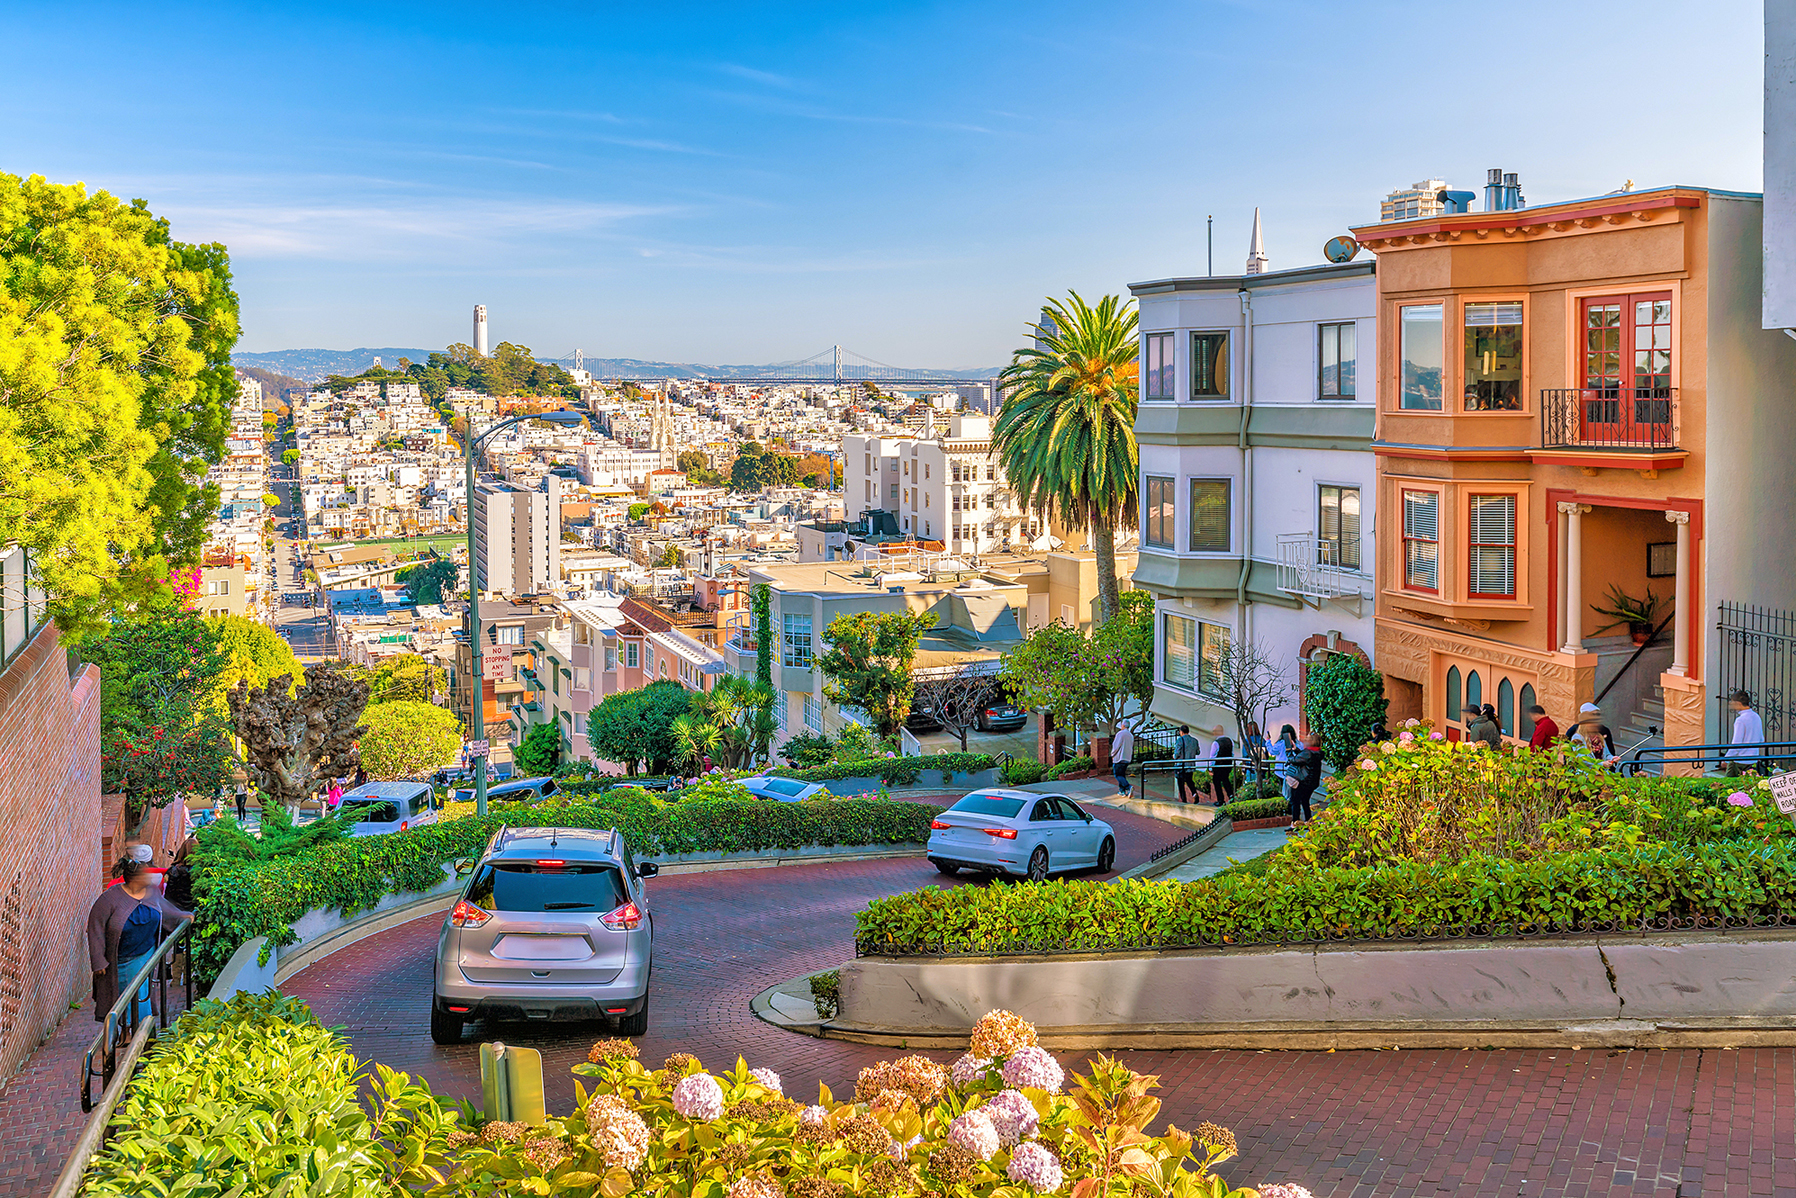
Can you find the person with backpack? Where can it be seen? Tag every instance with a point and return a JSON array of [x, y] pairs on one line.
[[1184, 754], [1222, 769], [1304, 769]]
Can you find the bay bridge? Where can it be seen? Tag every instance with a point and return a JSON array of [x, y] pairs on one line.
[[834, 366]]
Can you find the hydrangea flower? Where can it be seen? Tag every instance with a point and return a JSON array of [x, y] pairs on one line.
[[767, 1078], [1387, 747], [1034, 1166], [755, 1186], [1000, 1033], [1437, 736], [1283, 1190], [698, 1097], [813, 1115], [1406, 737], [974, 1132], [1033, 1068], [1740, 799], [1013, 1115], [969, 1069], [617, 1132], [1368, 764], [1411, 722]]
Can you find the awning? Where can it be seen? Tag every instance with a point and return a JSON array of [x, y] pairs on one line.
[[701, 657]]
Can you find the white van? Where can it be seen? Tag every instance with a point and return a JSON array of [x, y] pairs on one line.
[[390, 807]]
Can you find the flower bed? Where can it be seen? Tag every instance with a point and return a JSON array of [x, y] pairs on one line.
[[244, 1094], [239, 900]]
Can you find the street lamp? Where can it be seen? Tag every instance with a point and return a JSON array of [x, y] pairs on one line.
[[477, 698]]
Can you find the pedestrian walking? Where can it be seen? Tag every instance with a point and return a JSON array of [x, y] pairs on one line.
[[1280, 752], [242, 800], [124, 926], [1745, 753], [334, 795], [1304, 770], [1485, 729], [1222, 768], [1184, 753], [1122, 752], [1545, 730]]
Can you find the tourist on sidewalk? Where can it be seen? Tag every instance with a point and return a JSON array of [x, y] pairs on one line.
[[1744, 754], [1485, 729], [1122, 752], [1545, 730], [1304, 770], [1184, 753], [124, 926], [1222, 769], [243, 800], [1593, 736]]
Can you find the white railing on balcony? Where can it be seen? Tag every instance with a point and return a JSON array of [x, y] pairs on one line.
[[1310, 567]]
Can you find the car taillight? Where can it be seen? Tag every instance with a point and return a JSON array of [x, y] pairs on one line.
[[404, 824], [1002, 833], [552, 864], [467, 915], [938, 825], [626, 918]]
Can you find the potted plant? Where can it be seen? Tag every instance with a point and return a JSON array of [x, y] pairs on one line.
[[1637, 614]]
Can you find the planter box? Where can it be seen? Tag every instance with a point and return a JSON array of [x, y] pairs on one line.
[[845, 787], [934, 779], [974, 779], [1248, 825]]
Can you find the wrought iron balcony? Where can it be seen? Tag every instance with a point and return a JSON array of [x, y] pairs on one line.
[[1609, 418], [1318, 568]]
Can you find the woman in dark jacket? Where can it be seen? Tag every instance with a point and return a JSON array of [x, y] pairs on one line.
[[1485, 727], [125, 925]]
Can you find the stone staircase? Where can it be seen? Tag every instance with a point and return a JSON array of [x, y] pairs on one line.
[[1648, 715]]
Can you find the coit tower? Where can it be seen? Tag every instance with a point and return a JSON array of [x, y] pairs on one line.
[[480, 329]]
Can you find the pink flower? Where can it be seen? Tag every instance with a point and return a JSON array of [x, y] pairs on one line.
[[1437, 736], [767, 1078], [974, 1132], [1039, 1169], [1033, 1068], [698, 1097], [1740, 799], [1283, 1189], [1368, 765], [969, 1069], [1406, 737], [1013, 1115]]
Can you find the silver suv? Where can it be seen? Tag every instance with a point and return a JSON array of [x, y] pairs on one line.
[[553, 925]]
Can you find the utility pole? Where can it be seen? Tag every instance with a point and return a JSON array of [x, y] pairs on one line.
[[1210, 237]]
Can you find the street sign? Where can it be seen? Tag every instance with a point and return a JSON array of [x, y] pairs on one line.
[[1783, 790], [475, 748], [495, 663]]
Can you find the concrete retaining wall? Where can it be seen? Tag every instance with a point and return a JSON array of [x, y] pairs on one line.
[[1583, 990]]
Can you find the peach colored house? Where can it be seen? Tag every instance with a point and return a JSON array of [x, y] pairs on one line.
[[1566, 396]]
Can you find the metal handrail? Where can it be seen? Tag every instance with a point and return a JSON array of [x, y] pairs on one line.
[[121, 1021], [1663, 755], [1629, 664]]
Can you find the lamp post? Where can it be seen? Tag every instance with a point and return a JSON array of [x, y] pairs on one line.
[[477, 694]]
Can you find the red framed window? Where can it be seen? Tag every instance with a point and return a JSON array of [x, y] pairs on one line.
[[1626, 370], [1421, 540], [1490, 540]]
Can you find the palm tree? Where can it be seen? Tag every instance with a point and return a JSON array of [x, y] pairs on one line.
[[1066, 433]]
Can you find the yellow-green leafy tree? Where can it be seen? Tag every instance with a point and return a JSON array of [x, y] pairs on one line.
[[407, 739]]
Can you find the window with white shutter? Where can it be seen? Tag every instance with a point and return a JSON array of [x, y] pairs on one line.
[[1178, 651], [1421, 540], [1337, 525], [1491, 538], [1210, 515]]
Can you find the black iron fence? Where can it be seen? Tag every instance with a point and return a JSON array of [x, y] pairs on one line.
[[1758, 655], [1609, 418]]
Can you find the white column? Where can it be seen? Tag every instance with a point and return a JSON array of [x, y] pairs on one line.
[[1574, 576], [1559, 591], [1680, 625]]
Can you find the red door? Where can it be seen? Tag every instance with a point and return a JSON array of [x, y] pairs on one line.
[[1627, 398]]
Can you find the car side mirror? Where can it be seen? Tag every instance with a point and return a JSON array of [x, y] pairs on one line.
[[647, 869]]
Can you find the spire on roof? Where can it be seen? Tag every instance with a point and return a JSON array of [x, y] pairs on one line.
[[1257, 261]]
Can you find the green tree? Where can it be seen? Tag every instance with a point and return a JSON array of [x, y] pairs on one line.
[[406, 676], [431, 581], [540, 750], [1066, 433], [669, 559], [1343, 700], [297, 740], [404, 739], [869, 663], [115, 391], [732, 722], [636, 727], [1090, 680], [162, 735], [290, 457], [253, 652], [749, 471]]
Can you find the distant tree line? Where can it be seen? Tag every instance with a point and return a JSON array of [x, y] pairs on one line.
[[508, 370]]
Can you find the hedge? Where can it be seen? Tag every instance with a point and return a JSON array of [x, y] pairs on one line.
[[1072, 765], [1256, 809], [238, 901], [1594, 890], [893, 771]]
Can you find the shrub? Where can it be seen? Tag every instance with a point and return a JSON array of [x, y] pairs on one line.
[[1021, 771], [540, 750], [826, 992], [406, 739], [1255, 809], [1343, 700], [239, 900], [894, 771], [1072, 765], [808, 750]]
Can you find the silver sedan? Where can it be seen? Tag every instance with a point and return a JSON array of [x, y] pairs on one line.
[[1020, 832]]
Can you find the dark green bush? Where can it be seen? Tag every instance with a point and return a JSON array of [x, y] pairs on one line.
[[893, 771], [1072, 765], [1021, 771], [1255, 809]]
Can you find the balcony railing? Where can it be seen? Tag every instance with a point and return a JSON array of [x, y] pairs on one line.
[[1610, 418], [1312, 567]]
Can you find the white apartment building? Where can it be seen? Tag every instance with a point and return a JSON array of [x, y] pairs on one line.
[[1257, 474], [517, 537], [944, 486]]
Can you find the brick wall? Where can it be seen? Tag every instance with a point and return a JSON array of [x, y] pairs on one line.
[[49, 841]]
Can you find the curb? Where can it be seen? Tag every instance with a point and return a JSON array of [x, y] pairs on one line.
[[1212, 835], [762, 1007], [1183, 815], [703, 867]]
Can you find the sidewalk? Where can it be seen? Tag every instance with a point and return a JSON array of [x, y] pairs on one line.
[[40, 1107]]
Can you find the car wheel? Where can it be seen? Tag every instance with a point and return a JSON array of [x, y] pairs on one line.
[[444, 1027], [637, 1024], [1107, 855], [1038, 864], [946, 867]]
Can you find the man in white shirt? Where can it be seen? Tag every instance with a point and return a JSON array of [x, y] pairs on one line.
[[1122, 751], [1744, 753]]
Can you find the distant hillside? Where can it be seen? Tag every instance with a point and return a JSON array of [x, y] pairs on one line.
[[314, 365], [274, 385]]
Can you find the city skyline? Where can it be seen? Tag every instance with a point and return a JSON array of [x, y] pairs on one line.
[[905, 180]]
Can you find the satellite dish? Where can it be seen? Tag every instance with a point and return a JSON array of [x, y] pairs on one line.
[[1340, 249]]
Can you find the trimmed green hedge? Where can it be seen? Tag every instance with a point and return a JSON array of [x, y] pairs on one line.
[[1475, 896], [893, 771], [1021, 771], [1256, 809], [238, 901], [1072, 765]]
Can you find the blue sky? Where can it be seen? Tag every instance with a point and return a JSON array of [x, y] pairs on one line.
[[752, 183]]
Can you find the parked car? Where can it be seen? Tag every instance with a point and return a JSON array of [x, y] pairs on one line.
[[784, 790], [922, 720], [552, 925], [390, 807], [1021, 833], [522, 790], [1002, 717]]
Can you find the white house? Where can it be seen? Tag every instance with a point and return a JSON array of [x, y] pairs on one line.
[[1257, 475]]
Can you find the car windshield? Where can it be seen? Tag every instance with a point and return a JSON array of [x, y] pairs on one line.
[[527, 886], [373, 811], [781, 786], [995, 805]]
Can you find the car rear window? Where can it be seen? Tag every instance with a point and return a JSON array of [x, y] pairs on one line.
[[782, 787], [372, 811], [993, 805], [526, 886]]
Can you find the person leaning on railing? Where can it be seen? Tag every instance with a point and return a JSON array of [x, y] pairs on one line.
[[125, 925]]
